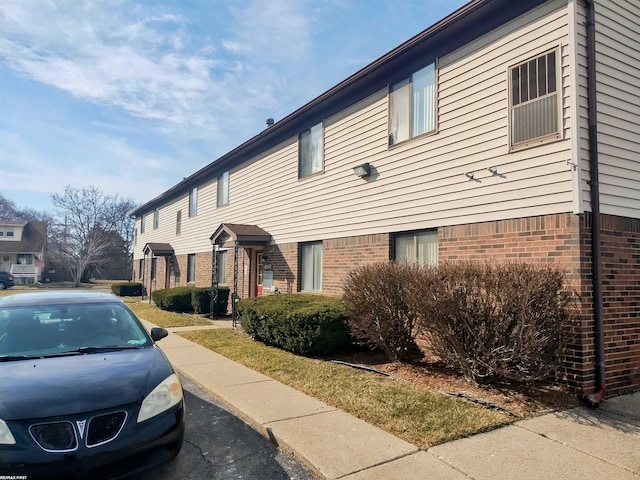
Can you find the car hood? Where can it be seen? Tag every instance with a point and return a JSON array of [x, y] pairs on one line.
[[47, 387]]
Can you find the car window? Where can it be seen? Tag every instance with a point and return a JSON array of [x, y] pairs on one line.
[[57, 329]]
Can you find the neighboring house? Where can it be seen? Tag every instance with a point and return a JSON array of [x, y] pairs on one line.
[[480, 137], [22, 249]]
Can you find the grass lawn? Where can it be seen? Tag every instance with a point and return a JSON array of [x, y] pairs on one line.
[[413, 413]]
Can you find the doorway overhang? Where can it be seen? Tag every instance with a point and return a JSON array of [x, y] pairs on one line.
[[228, 235], [158, 249]]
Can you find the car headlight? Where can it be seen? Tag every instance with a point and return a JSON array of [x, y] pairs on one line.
[[164, 396], [5, 434]]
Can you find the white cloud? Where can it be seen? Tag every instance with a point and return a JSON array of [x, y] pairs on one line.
[[119, 54]]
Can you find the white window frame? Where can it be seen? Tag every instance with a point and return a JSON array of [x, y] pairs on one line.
[[193, 202], [178, 222], [311, 266], [410, 97], [156, 218], [311, 151], [223, 189], [419, 246], [537, 103], [142, 224]]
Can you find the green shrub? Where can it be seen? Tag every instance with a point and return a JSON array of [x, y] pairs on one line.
[[173, 299], [201, 300], [508, 321], [127, 289], [299, 323], [375, 303]]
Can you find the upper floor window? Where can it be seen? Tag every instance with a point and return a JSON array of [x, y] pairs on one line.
[[535, 106], [142, 224], [223, 189], [311, 151], [412, 106], [419, 247], [311, 266], [191, 267], [178, 222], [156, 218], [193, 201]]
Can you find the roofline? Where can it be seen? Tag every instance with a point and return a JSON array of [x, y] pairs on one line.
[[455, 23]]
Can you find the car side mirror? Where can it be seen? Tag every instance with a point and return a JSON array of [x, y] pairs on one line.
[[158, 333]]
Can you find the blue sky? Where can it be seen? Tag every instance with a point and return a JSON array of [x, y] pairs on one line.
[[132, 96]]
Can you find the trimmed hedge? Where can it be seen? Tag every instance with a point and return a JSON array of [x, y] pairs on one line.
[[173, 299], [201, 300], [299, 323], [191, 299], [127, 289]]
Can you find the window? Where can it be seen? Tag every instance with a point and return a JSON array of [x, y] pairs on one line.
[[25, 259], [178, 222], [135, 236], [535, 107], [420, 247], [310, 151], [191, 267], [141, 268], [156, 218], [142, 224], [223, 189], [311, 266], [222, 266], [193, 201], [154, 267], [412, 106]]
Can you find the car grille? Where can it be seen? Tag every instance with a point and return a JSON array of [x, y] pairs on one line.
[[63, 437], [55, 437], [105, 428]]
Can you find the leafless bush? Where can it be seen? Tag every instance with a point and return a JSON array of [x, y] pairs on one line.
[[490, 320], [374, 300]]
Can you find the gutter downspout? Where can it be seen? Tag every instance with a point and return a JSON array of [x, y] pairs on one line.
[[593, 400]]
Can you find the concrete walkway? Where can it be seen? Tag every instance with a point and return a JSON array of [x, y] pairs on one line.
[[576, 444]]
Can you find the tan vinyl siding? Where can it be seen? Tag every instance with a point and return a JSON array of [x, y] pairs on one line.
[[419, 183], [618, 75]]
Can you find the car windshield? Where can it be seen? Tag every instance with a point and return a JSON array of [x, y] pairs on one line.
[[37, 331]]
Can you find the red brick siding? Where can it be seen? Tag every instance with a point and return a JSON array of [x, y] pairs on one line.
[[341, 255]]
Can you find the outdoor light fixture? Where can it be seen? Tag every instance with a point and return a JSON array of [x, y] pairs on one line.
[[362, 170], [470, 175], [493, 170]]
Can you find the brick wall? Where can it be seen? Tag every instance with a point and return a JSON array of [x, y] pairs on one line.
[[565, 239], [341, 255]]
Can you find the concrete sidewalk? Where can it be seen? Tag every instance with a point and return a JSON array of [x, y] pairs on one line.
[[577, 444]]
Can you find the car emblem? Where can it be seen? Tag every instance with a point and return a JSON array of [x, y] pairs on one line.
[[81, 424]]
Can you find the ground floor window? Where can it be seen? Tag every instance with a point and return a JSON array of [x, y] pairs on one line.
[[311, 266], [141, 268], [191, 267], [222, 266], [420, 247]]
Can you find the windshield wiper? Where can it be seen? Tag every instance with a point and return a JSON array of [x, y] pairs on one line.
[[11, 358], [107, 348]]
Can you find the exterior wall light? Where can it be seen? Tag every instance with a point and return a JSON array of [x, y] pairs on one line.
[[362, 170]]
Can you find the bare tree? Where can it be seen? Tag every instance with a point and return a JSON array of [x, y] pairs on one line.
[[9, 211], [88, 224]]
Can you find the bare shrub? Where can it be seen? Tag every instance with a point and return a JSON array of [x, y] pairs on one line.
[[495, 321], [374, 300]]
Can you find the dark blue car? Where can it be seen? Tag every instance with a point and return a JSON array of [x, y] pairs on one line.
[[84, 390]]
